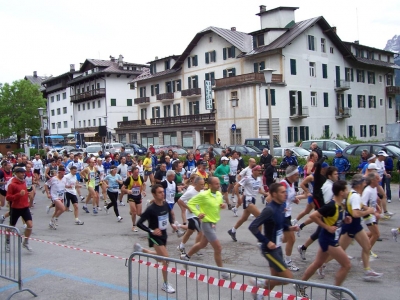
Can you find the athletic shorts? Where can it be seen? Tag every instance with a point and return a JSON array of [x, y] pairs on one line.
[[36, 171], [136, 200], [3, 192], [351, 229], [148, 173], [71, 197], [275, 259], [247, 202], [194, 224], [171, 205], [324, 243], [30, 189], [371, 220], [90, 184], [288, 221], [209, 231], [97, 188], [157, 240], [232, 179], [16, 213], [310, 199], [224, 188]]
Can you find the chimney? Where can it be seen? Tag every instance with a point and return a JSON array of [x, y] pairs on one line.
[[334, 29], [34, 73], [80, 65], [156, 58], [233, 28], [262, 8], [112, 58], [357, 42], [72, 68], [120, 60]]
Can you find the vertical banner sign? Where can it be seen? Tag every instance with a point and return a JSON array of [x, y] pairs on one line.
[[208, 94]]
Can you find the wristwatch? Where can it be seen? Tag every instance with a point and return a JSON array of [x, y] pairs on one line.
[[151, 230]]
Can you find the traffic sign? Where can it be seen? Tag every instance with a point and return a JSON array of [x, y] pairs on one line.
[[233, 127]]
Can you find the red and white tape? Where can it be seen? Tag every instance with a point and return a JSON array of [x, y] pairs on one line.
[[192, 275]]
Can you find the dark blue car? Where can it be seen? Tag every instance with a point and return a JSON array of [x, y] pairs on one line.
[[138, 149]]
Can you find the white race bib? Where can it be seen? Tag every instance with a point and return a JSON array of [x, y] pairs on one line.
[[279, 237], [226, 178], [163, 222], [337, 233], [136, 191]]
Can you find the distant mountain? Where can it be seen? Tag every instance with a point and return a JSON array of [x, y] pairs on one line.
[[393, 44]]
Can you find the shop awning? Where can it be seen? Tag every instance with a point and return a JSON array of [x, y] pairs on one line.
[[89, 134], [71, 136]]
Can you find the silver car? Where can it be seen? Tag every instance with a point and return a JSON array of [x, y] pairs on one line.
[[297, 151]]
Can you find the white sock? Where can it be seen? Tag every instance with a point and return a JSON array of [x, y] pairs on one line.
[[288, 259], [233, 229], [182, 245]]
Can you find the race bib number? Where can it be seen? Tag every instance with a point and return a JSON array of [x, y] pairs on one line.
[[91, 175], [136, 191], [226, 178], [337, 233], [275, 175], [115, 188], [163, 222], [28, 181], [256, 185], [279, 237], [60, 195]]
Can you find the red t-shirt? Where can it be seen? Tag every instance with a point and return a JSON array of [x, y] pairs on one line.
[[14, 194]]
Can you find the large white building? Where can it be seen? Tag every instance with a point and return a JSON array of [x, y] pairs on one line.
[[321, 87]]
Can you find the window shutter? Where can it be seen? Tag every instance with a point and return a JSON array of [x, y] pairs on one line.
[[207, 58], [342, 100], [302, 133], [351, 75], [197, 108], [324, 71], [157, 89], [224, 53], [359, 101], [225, 74], [233, 52], [374, 101], [307, 133], [173, 86], [178, 85], [212, 78], [256, 68], [289, 132], [295, 134], [293, 66], [266, 97], [233, 71], [262, 65], [196, 82], [373, 77], [214, 54], [207, 76], [349, 101], [273, 97], [326, 100], [152, 90], [254, 42], [191, 108], [128, 102], [195, 60], [189, 82], [188, 60]]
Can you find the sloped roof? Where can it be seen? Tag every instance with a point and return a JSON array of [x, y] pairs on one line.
[[377, 63], [35, 79], [173, 56], [147, 75]]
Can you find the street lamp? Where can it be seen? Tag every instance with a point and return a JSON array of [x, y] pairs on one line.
[[234, 103], [41, 110], [268, 79]]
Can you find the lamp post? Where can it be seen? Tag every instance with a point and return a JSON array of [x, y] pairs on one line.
[[268, 79], [234, 103], [105, 124], [41, 109]]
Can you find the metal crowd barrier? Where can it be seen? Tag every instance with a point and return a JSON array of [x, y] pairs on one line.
[[198, 281], [10, 257]]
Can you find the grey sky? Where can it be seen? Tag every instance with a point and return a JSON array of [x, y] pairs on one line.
[[48, 36]]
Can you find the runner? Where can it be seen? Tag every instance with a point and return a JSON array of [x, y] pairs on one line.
[[107, 169], [55, 190], [135, 187], [222, 173], [148, 169], [245, 172], [179, 181], [30, 182], [112, 181], [79, 167], [233, 165], [37, 168], [5, 176], [89, 176], [201, 166], [100, 174], [122, 170], [157, 215], [70, 193]]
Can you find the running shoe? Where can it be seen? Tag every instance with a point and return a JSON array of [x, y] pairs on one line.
[[85, 209], [229, 206], [395, 232], [389, 214], [374, 255], [137, 248], [95, 212], [234, 210], [321, 272], [337, 295], [2, 219], [70, 210], [79, 222], [106, 210], [181, 250], [371, 274], [257, 283], [292, 266], [122, 203], [227, 276], [301, 290], [27, 246], [389, 200], [184, 257], [47, 209], [180, 233], [98, 208], [166, 287], [52, 225], [232, 234], [302, 252], [56, 221], [119, 218], [82, 198], [134, 229]]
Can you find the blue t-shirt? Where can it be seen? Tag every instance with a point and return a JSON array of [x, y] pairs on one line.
[[113, 185]]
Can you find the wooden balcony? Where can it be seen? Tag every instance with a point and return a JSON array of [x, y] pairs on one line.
[[165, 96], [251, 78], [133, 123], [142, 100], [342, 85], [393, 90], [191, 92], [85, 129], [56, 87], [93, 94], [342, 113], [188, 119], [299, 112]]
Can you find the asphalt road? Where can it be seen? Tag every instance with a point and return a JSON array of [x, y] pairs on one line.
[[55, 272]]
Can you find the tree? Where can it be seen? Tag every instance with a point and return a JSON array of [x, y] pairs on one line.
[[19, 103]]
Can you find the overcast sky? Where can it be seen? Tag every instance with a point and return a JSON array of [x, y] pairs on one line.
[[48, 36]]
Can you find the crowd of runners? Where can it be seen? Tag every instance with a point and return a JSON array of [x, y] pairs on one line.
[[201, 186]]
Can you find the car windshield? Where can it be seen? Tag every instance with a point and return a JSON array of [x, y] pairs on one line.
[[93, 149], [117, 145], [138, 145], [129, 149], [342, 144], [301, 151], [252, 149], [394, 149]]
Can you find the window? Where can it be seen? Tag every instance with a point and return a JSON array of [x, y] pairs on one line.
[[98, 104], [99, 121], [155, 89], [87, 88], [58, 111], [113, 102], [88, 123], [381, 129], [331, 49], [176, 85], [64, 110], [84, 123], [380, 78], [311, 43], [326, 100], [292, 66], [372, 130], [390, 102], [98, 85], [229, 72], [58, 97], [324, 71], [143, 114], [194, 108], [94, 122], [292, 134], [124, 119], [177, 110], [381, 102], [258, 40], [211, 56], [258, 66], [80, 124], [167, 65], [236, 136], [83, 106], [93, 105], [360, 76], [168, 86], [304, 133], [210, 39], [193, 82], [52, 100], [372, 101], [389, 80], [371, 77], [313, 99], [326, 132], [155, 111], [64, 96], [210, 76], [52, 112], [349, 101], [92, 87], [153, 68], [229, 52], [350, 131], [88, 105], [361, 101], [312, 69], [348, 74], [79, 107], [128, 102], [142, 92], [272, 96], [187, 139], [65, 124], [53, 125], [192, 61], [323, 44], [167, 111]]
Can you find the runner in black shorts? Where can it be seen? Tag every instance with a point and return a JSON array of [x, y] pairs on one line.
[[272, 217], [157, 215]]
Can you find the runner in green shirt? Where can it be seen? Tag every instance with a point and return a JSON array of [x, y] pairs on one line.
[[222, 172]]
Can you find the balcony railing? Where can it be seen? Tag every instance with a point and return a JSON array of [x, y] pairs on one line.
[[59, 86], [142, 100], [165, 96], [298, 112], [393, 90], [132, 123], [93, 94], [342, 112], [191, 92], [251, 78], [342, 85], [189, 119]]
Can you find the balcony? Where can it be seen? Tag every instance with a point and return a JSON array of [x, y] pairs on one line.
[[142, 100], [189, 119], [251, 78], [393, 90], [298, 112], [342, 85], [133, 123], [93, 94], [165, 96], [56, 87], [342, 113], [191, 92]]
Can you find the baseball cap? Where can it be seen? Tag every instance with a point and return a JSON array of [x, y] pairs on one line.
[[382, 153], [256, 168], [339, 151], [372, 166], [19, 170], [224, 158], [324, 165]]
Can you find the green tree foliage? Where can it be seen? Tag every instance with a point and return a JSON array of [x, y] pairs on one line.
[[19, 103]]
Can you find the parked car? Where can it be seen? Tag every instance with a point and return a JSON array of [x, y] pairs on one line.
[[356, 149], [129, 150], [181, 151], [261, 143], [68, 148], [75, 150], [397, 143], [94, 149], [112, 147], [216, 151], [247, 150], [297, 151], [206, 146], [138, 149], [328, 147]]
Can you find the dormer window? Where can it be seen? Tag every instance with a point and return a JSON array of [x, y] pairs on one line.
[[192, 61], [258, 40], [153, 68], [167, 65]]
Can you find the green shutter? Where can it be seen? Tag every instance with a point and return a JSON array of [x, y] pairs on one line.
[[152, 89], [173, 86], [207, 58], [359, 101], [214, 55], [256, 68], [207, 76], [324, 71], [212, 78], [351, 74], [342, 100], [195, 60], [326, 100], [302, 133], [233, 71], [307, 132], [254, 42], [293, 66], [157, 89], [273, 97], [374, 101], [224, 53], [128, 102], [196, 82], [262, 65], [326, 131], [197, 108], [295, 134], [289, 131], [179, 85], [188, 60], [189, 82], [113, 102], [349, 101], [225, 73], [233, 52]]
